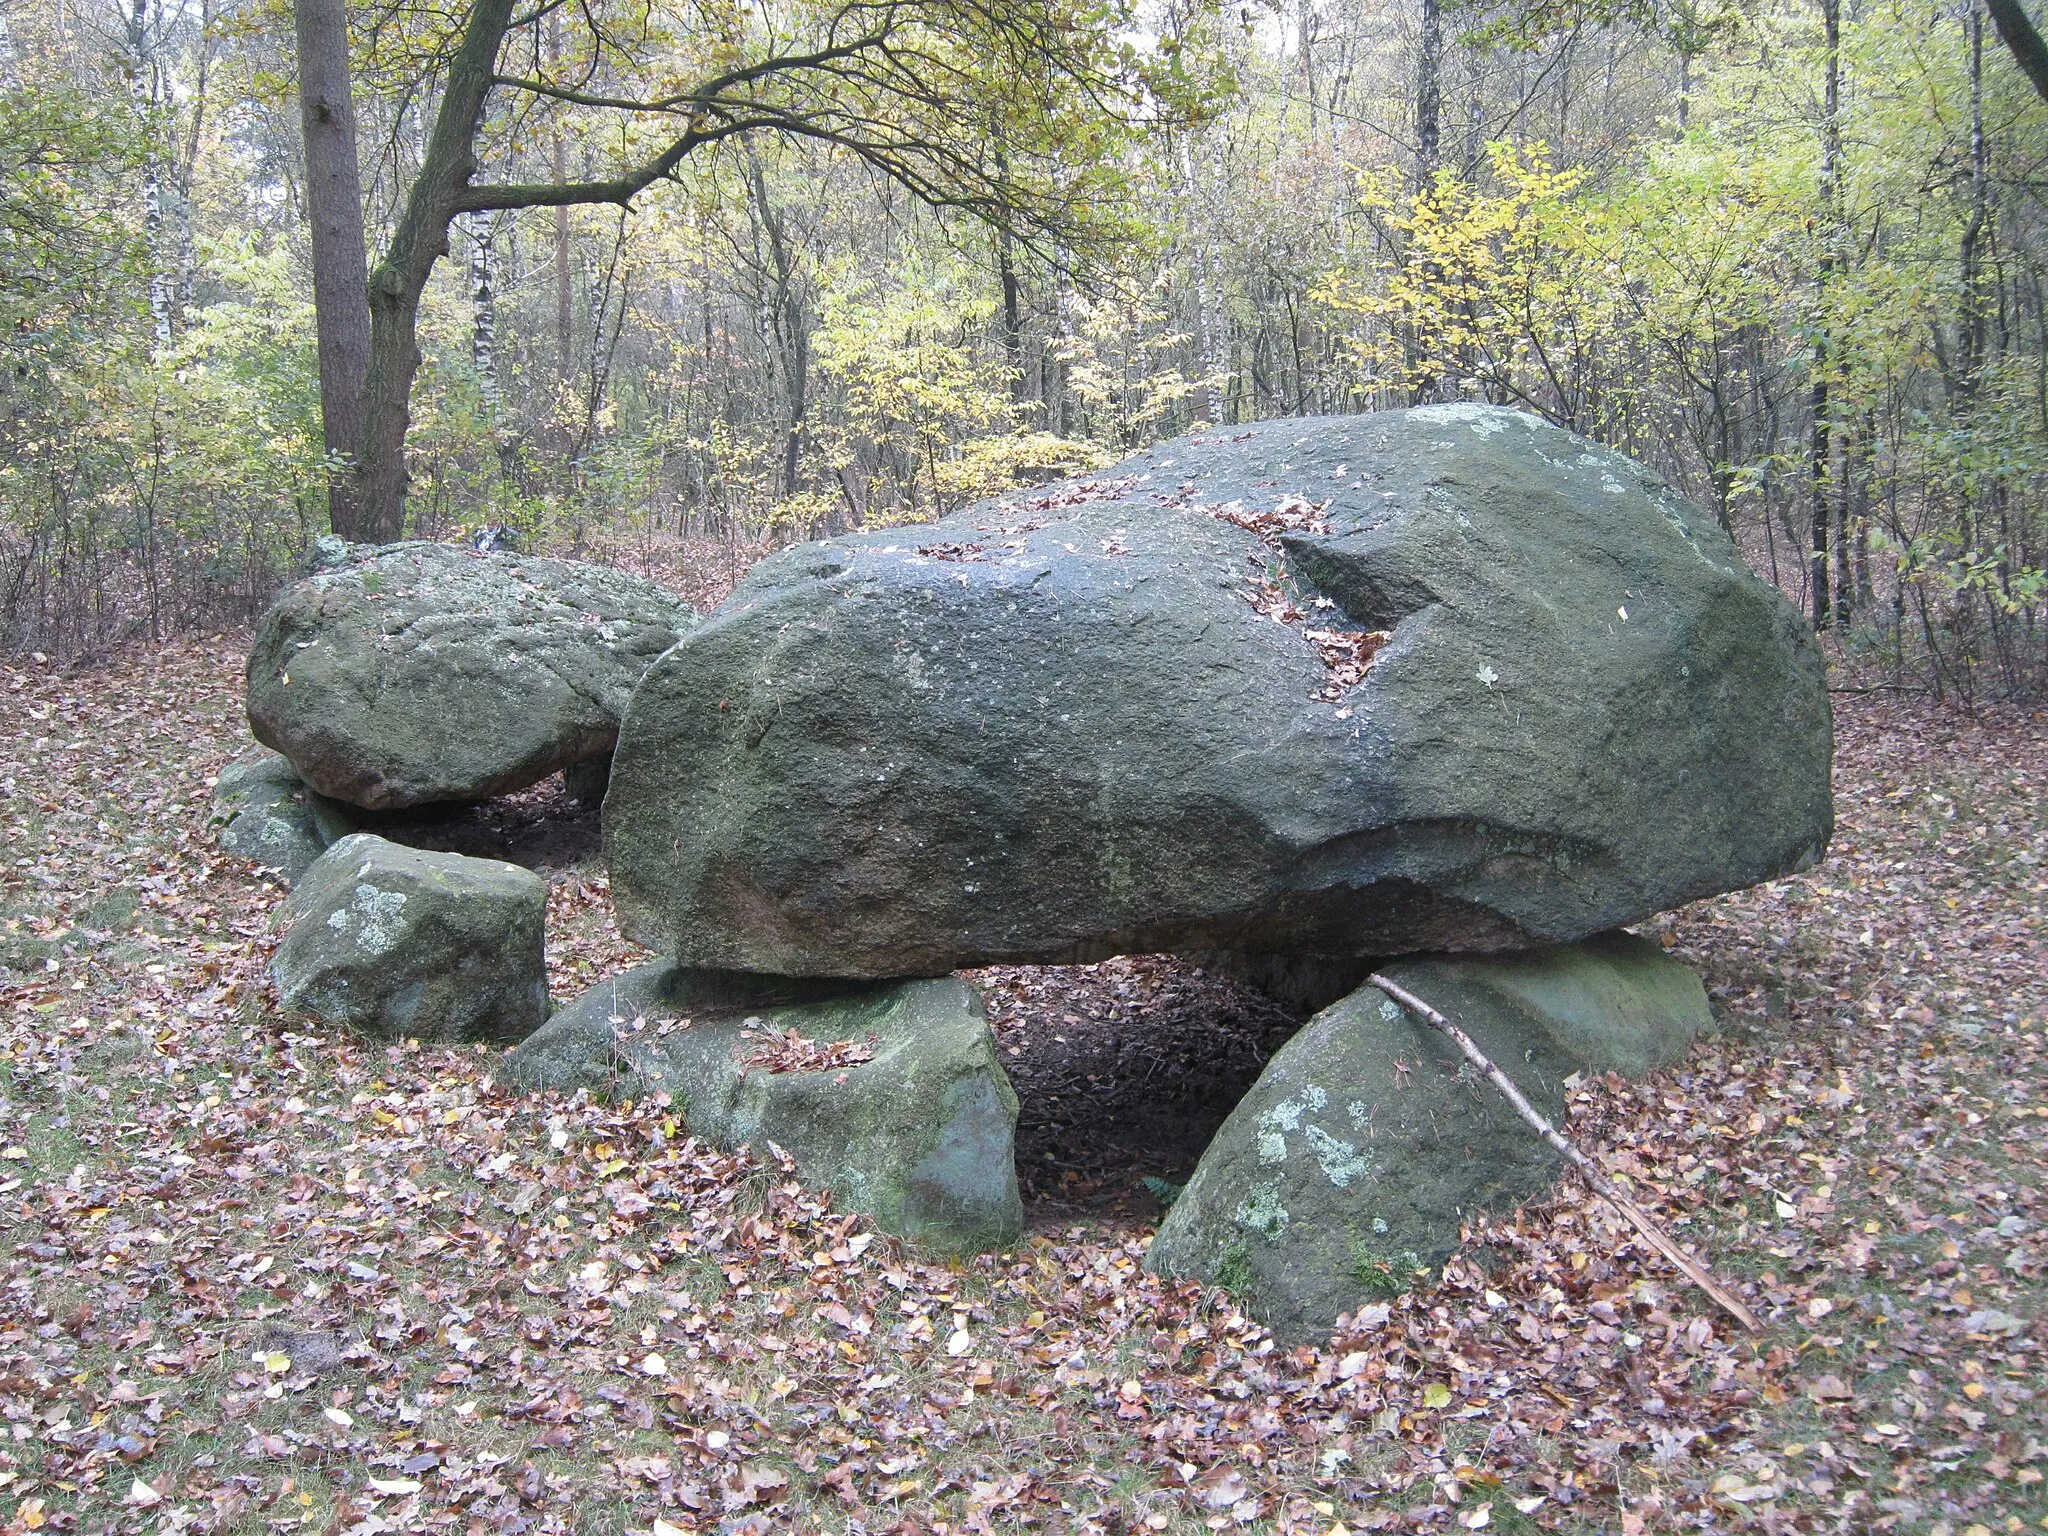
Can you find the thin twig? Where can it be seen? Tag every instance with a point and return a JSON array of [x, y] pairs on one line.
[[1602, 1185]]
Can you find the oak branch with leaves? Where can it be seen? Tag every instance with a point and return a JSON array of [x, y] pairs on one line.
[[1013, 113]]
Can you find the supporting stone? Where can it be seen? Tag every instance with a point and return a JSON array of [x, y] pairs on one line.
[[1349, 1168], [407, 943], [888, 1094], [268, 814]]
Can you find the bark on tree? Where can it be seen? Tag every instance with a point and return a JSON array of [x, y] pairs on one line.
[[1425, 367], [10, 68], [831, 97], [483, 306], [334, 207], [782, 323], [400, 278], [565, 332], [1429, 93], [1976, 304], [565, 288], [146, 85], [1013, 319], [2022, 39]]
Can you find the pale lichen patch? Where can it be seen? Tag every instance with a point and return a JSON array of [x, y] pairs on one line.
[[1263, 1213], [373, 914], [1340, 1161]]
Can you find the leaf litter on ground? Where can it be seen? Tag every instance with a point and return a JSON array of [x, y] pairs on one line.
[[259, 1279]]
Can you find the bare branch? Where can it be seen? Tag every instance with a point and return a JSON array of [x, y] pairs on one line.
[[704, 95], [1603, 1186], [528, 18]]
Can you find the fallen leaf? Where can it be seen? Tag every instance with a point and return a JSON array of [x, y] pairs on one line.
[[1219, 1488]]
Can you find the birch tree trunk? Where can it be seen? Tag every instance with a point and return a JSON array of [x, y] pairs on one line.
[[483, 301], [146, 85]]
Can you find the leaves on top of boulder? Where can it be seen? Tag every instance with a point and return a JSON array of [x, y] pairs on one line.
[[784, 1050]]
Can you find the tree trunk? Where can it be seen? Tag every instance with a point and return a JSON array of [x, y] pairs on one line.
[[1429, 95], [565, 332], [1822, 456], [395, 287], [146, 86], [334, 208], [783, 325], [483, 302], [1013, 319], [1419, 342], [1215, 334], [2020, 36], [188, 261], [565, 288], [1975, 325], [10, 68]]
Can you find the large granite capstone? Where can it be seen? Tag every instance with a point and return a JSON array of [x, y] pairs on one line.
[[427, 672], [1126, 714]]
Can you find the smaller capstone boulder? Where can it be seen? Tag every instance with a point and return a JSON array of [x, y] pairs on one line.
[[268, 815], [889, 1095], [423, 673], [1348, 1170], [406, 943]]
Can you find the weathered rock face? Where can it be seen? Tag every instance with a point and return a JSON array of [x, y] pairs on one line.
[[889, 1096], [267, 814], [425, 672], [406, 943], [1064, 726], [1348, 1168]]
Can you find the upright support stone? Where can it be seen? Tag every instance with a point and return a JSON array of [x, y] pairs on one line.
[[269, 815], [889, 1095], [402, 942], [1350, 1167]]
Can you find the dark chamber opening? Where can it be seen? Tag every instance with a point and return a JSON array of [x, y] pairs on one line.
[[1124, 1071]]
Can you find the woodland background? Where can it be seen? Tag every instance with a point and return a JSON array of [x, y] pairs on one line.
[[1790, 254]]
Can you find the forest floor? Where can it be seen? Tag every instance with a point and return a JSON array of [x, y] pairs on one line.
[[264, 1279]]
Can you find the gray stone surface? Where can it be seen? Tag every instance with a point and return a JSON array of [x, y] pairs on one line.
[[1060, 726], [1368, 1140], [426, 672], [407, 943], [267, 814], [921, 1136]]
